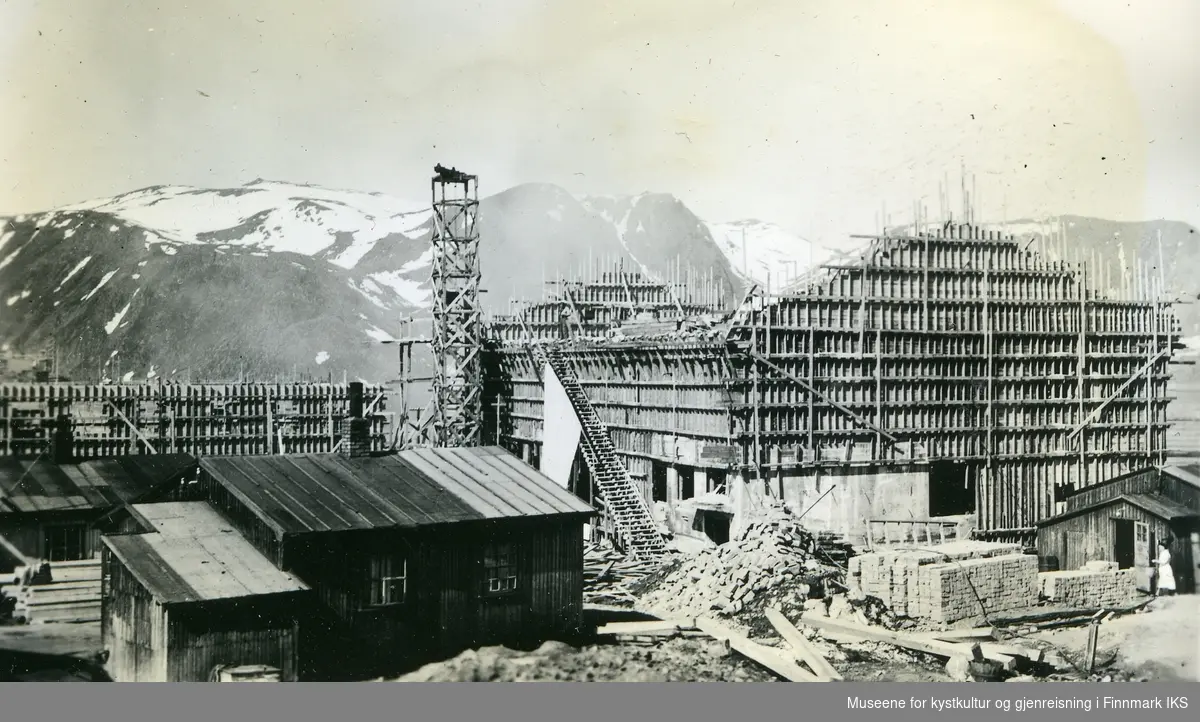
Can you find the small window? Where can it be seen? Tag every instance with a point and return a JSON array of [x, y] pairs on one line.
[[65, 542], [387, 580], [499, 570]]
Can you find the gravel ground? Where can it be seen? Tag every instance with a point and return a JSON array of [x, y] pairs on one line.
[[694, 659]]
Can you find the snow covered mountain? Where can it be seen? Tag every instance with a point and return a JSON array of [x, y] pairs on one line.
[[276, 279], [759, 250]]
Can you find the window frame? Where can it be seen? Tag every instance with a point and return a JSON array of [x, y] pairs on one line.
[[500, 577], [64, 527], [378, 586]]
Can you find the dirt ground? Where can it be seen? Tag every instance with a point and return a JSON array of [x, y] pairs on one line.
[[49, 653], [1160, 644]]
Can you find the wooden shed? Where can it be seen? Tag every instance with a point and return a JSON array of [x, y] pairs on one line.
[[413, 556], [192, 597], [50, 510], [1124, 528]]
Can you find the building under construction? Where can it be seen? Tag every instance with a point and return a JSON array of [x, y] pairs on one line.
[[945, 372]]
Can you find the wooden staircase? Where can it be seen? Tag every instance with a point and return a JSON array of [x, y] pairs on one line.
[[637, 533]]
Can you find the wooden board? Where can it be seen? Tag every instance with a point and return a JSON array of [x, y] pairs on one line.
[[804, 650], [767, 657]]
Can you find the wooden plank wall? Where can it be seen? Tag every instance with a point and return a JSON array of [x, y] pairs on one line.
[[651, 398], [200, 419], [983, 352], [1142, 482], [605, 300], [444, 613], [249, 631], [963, 342], [133, 627]]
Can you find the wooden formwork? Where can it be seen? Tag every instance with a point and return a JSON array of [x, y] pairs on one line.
[[202, 419], [959, 346]]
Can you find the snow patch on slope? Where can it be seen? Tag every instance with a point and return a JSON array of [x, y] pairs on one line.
[[268, 215], [78, 267], [408, 289], [108, 276]]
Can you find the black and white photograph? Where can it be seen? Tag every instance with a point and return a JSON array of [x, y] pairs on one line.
[[809, 341]]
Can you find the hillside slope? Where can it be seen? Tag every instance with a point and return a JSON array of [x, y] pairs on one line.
[[281, 280]]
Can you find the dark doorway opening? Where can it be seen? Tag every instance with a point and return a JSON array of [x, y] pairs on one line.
[[687, 482], [714, 525], [581, 477], [1124, 548], [951, 489], [658, 481]]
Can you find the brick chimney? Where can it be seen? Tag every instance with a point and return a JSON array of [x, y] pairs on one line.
[[355, 430], [62, 440]]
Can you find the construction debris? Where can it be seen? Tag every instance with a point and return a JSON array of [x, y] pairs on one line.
[[673, 660], [772, 561], [611, 578]]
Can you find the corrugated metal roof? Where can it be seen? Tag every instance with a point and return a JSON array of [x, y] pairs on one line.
[[195, 556], [41, 485], [418, 487], [1159, 506]]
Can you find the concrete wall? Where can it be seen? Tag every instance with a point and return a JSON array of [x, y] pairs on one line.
[[858, 495], [561, 433]]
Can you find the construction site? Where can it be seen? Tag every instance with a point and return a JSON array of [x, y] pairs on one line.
[[942, 456]]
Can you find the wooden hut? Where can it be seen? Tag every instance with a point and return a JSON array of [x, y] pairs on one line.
[[51, 509], [1123, 520], [413, 556], [192, 597]]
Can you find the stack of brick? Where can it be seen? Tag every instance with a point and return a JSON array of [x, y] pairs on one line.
[[946, 582], [1091, 588], [356, 437], [957, 590]]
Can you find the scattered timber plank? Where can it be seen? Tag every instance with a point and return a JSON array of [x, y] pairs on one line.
[[604, 572], [804, 649], [953, 635], [649, 627], [766, 656], [911, 642], [861, 633]]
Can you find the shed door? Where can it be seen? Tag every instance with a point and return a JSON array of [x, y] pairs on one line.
[[1141, 554]]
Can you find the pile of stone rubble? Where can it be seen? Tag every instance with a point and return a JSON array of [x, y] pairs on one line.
[[772, 561]]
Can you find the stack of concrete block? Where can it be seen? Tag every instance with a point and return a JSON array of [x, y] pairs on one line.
[[958, 590], [937, 581], [1102, 588]]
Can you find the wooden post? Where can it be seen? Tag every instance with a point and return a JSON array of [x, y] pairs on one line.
[[1081, 386], [1089, 660]]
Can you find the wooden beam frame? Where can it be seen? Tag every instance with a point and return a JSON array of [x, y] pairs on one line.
[[136, 431], [812, 389], [1138, 374]]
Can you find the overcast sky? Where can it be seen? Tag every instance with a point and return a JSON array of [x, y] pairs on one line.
[[812, 114]]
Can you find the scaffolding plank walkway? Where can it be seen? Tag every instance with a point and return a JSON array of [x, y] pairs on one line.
[[623, 503]]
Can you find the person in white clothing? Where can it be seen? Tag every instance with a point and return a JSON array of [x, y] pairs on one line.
[[1166, 576]]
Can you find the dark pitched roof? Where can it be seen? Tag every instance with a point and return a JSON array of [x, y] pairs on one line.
[[420, 487], [195, 556], [1187, 473], [41, 485], [1159, 506]]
